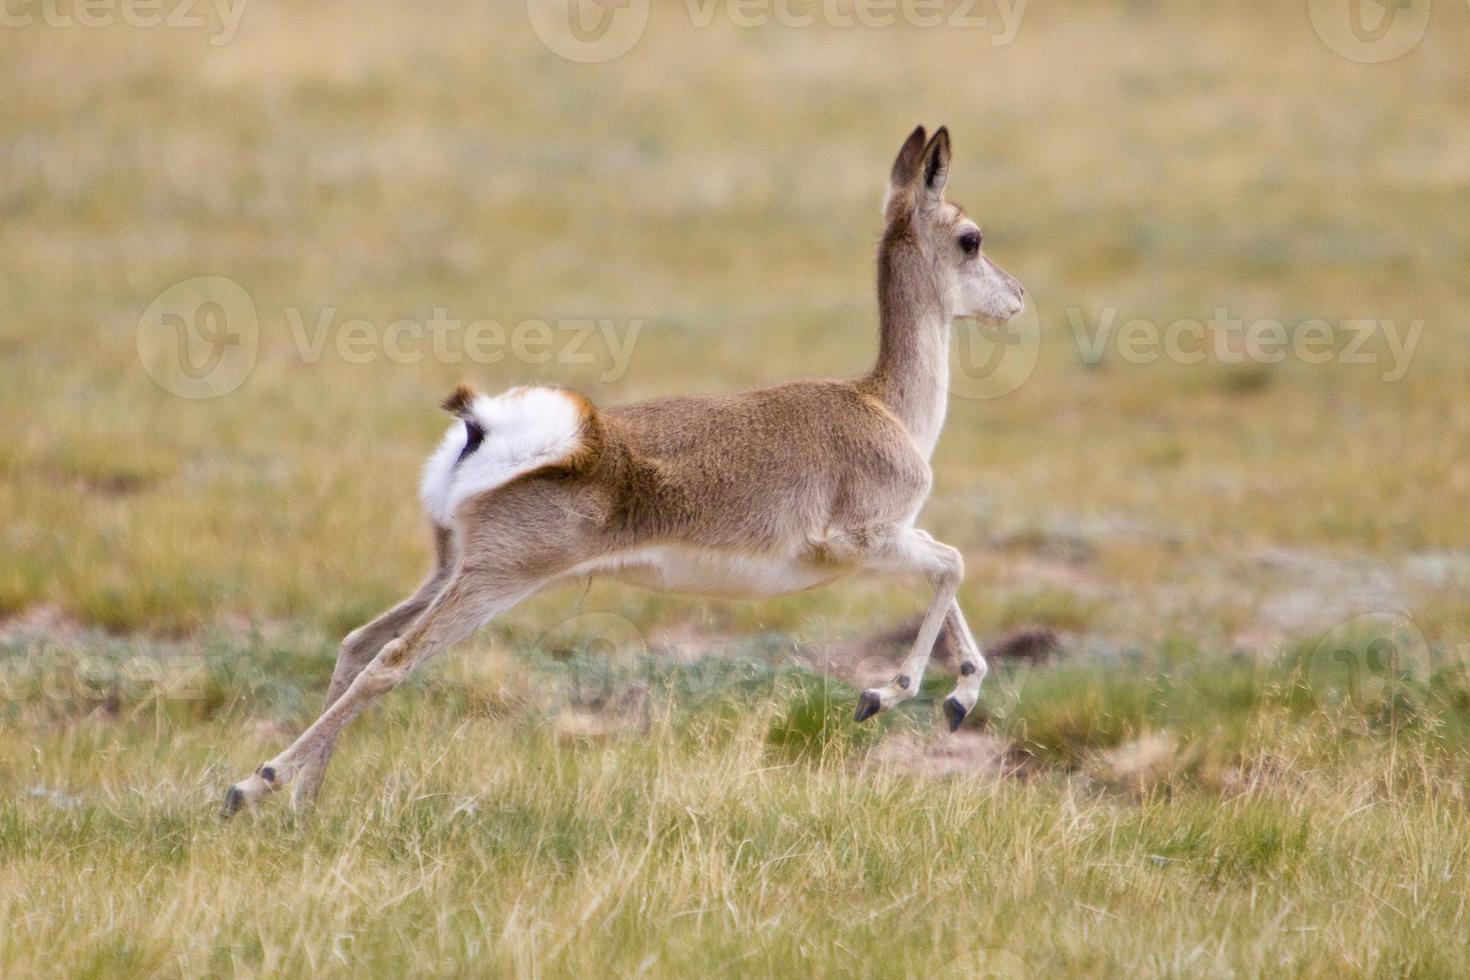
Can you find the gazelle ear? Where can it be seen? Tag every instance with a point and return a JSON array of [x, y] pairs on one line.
[[936, 167], [903, 181]]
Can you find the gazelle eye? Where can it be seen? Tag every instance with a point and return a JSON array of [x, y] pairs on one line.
[[970, 242]]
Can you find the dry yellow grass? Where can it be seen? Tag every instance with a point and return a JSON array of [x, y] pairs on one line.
[[720, 186]]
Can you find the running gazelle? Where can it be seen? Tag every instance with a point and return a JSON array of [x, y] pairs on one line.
[[752, 494]]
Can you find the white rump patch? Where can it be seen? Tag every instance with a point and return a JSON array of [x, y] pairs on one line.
[[525, 429]]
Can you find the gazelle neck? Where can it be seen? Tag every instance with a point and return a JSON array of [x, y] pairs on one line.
[[912, 373]]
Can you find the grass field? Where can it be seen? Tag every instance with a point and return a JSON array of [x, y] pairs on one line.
[[1220, 772]]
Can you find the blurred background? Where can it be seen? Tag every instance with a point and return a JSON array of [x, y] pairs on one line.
[[710, 197], [247, 248]]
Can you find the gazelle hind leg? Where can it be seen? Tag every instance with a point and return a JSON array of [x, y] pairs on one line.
[[470, 600], [360, 647], [910, 550], [972, 668]]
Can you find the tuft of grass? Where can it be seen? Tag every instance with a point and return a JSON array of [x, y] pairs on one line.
[[1217, 710], [815, 722]]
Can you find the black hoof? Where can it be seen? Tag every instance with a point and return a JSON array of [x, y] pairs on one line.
[[954, 713], [868, 705], [268, 774], [234, 800]]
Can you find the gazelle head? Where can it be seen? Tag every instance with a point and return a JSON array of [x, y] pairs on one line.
[[944, 260]]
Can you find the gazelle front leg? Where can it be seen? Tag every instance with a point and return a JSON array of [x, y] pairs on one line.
[[972, 668], [913, 551]]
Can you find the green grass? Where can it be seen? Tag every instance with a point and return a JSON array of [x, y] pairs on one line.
[[1159, 172], [748, 832]]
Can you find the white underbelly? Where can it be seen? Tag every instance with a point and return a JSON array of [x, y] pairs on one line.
[[700, 571]]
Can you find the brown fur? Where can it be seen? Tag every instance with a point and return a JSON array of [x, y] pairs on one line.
[[459, 401], [821, 476]]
